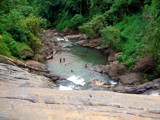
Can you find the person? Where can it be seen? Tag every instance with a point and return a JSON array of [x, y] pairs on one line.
[[60, 60], [71, 70], [64, 59], [86, 66], [65, 65]]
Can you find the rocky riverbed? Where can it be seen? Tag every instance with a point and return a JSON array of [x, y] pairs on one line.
[[26, 96], [30, 94]]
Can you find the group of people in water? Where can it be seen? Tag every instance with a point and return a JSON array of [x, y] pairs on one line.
[[64, 60]]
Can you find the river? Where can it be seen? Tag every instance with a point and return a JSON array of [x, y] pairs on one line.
[[73, 68]]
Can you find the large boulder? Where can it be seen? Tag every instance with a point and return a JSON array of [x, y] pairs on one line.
[[94, 43], [53, 76], [115, 70], [69, 32], [81, 42], [144, 65], [131, 79], [13, 76], [138, 89]]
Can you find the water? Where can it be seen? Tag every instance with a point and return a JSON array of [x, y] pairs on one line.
[[73, 68]]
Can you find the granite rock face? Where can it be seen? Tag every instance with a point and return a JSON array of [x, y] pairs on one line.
[[44, 104], [25, 96], [12, 76]]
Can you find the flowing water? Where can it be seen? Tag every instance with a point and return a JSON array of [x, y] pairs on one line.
[[73, 68]]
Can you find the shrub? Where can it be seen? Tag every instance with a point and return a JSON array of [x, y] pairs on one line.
[[33, 25], [4, 50], [17, 33], [14, 48], [25, 51], [109, 36], [92, 28], [77, 20], [35, 43]]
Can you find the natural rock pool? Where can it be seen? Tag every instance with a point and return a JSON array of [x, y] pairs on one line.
[[73, 68]]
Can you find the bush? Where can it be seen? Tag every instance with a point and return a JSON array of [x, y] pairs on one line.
[[17, 33], [14, 48], [25, 51], [4, 50], [33, 25], [35, 43], [109, 36], [76, 21], [92, 28]]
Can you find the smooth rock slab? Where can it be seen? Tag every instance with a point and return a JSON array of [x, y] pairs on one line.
[[47, 104]]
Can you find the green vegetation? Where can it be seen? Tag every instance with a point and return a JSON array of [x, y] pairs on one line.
[[128, 26], [19, 29]]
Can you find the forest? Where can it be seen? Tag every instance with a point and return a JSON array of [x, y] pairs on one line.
[[128, 26]]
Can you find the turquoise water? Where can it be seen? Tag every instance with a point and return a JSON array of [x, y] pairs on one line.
[[73, 68]]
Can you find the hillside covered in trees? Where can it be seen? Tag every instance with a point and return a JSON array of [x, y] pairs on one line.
[[128, 26]]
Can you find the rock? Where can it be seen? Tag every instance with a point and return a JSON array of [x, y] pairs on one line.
[[114, 56], [83, 37], [13, 76], [144, 65], [99, 48], [117, 55], [94, 43], [108, 51], [53, 76], [50, 43], [37, 66], [96, 82], [69, 32], [100, 68], [152, 92], [115, 70], [82, 42], [139, 89], [66, 38], [131, 79], [40, 104]]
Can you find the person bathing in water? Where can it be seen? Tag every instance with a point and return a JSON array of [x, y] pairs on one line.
[[86, 66], [64, 59], [60, 60]]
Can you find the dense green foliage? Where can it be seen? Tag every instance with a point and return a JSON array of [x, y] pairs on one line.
[[128, 26], [19, 29]]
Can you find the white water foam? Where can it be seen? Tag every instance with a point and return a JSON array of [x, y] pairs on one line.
[[113, 82], [77, 80], [155, 94], [60, 39], [61, 87]]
